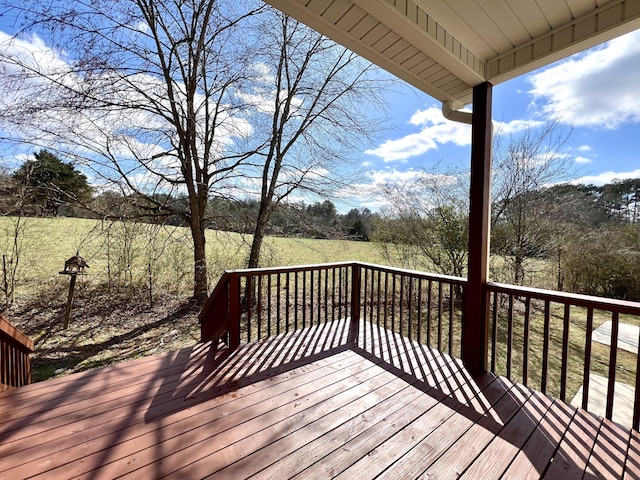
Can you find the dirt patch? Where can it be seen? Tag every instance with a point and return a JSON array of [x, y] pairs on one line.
[[105, 328]]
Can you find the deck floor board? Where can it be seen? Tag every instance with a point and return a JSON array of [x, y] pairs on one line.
[[304, 405]]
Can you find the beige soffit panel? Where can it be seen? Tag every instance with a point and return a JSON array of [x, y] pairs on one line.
[[599, 25], [417, 49], [445, 47]]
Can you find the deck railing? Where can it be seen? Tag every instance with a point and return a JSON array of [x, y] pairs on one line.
[[15, 347], [253, 304], [424, 307], [544, 339], [538, 337]]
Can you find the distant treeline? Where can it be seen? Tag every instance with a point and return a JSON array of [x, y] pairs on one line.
[[315, 220]]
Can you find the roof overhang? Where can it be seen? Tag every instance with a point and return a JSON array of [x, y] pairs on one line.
[[446, 47]]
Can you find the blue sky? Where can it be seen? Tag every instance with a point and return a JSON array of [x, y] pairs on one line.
[[595, 93]]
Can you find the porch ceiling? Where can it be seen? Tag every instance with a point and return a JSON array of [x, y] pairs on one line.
[[445, 47]]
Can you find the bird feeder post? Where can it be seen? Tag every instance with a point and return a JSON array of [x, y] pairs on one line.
[[67, 312]]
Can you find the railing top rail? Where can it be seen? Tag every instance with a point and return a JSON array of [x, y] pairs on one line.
[[9, 330], [285, 269], [587, 301], [415, 273], [322, 266]]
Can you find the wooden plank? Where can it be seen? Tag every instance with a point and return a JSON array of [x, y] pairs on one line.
[[361, 447], [222, 449], [574, 451], [228, 421], [471, 444], [285, 445], [100, 433], [534, 457], [159, 398], [608, 455], [495, 459], [42, 392], [632, 463], [362, 425], [67, 402], [426, 452]]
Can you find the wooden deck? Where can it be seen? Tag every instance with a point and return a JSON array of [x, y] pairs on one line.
[[303, 405]]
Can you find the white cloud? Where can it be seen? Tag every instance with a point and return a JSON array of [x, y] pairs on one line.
[[436, 130], [582, 160], [515, 126], [606, 177], [584, 148], [369, 193], [598, 88]]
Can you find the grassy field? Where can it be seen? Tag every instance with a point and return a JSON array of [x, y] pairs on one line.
[[135, 255], [134, 299]]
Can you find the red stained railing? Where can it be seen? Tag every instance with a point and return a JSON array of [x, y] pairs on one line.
[[544, 339], [539, 337], [15, 347], [253, 304]]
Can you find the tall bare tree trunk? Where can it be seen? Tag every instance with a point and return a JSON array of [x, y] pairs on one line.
[[259, 233], [200, 281]]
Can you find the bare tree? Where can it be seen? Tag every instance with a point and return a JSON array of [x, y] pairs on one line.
[[524, 164], [145, 96], [428, 217], [318, 101]]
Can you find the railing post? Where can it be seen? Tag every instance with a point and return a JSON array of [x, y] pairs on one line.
[[475, 327], [235, 311], [354, 326]]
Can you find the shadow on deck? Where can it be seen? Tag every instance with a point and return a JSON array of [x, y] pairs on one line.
[[303, 405]]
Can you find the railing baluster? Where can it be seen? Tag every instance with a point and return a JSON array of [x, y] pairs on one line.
[[401, 309], [278, 302], [429, 300], [304, 297], [494, 332], [451, 319], [565, 353], [636, 403], [319, 297], [386, 298], [440, 316], [545, 346], [410, 307], [420, 310], [295, 301], [586, 376], [326, 295], [269, 295], [379, 299], [333, 294], [311, 293], [393, 302], [259, 314], [249, 299], [287, 302], [525, 346], [613, 360], [510, 337]]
